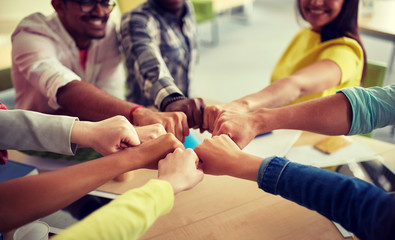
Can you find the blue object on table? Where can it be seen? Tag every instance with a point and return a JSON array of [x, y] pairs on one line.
[[263, 134], [191, 141], [13, 169]]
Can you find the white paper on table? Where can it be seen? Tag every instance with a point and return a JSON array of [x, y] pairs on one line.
[[343, 231], [308, 155], [276, 143]]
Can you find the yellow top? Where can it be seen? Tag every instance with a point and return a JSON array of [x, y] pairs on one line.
[[306, 48], [127, 217]]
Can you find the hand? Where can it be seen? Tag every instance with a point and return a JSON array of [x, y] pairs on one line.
[[180, 169], [149, 132], [211, 114], [240, 127], [221, 156], [107, 136], [173, 122], [192, 107], [148, 154]]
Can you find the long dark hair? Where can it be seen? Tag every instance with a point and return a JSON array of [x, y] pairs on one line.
[[344, 25]]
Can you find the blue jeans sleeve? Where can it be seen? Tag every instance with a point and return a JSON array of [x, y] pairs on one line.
[[360, 207]]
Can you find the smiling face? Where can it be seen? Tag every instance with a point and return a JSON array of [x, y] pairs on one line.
[[83, 27], [320, 12]]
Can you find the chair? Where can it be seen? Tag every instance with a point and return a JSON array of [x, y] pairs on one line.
[[375, 75], [204, 12], [7, 92], [5, 79]]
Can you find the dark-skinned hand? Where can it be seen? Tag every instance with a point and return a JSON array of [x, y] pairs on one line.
[[192, 107]]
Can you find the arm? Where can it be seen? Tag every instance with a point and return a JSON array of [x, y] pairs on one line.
[[351, 111], [27, 130], [49, 189], [99, 105], [333, 195], [130, 215], [314, 78], [107, 136], [330, 115], [337, 197]]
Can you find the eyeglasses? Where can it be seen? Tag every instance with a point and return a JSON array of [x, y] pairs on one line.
[[88, 6]]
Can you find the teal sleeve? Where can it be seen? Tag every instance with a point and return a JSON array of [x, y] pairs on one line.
[[371, 107], [127, 217]]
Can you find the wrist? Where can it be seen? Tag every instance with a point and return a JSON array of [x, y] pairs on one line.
[[132, 111], [263, 119], [243, 105], [169, 100], [249, 169]]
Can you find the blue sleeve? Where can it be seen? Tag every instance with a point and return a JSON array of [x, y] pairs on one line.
[[360, 207], [371, 107]]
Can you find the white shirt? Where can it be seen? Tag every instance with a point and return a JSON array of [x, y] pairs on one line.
[[45, 58]]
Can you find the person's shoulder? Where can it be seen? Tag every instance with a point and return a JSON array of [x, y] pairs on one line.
[[345, 43], [33, 19], [35, 23], [142, 13]]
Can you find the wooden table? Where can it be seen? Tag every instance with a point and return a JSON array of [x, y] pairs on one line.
[[380, 24], [223, 207]]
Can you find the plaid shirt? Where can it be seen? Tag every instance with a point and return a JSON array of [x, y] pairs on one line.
[[159, 55]]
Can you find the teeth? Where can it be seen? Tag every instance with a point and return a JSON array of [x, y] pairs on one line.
[[316, 11], [96, 22]]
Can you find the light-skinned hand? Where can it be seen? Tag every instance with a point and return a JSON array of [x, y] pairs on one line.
[[241, 127], [211, 113], [180, 169], [193, 109], [107, 136], [221, 156], [148, 154], [149, 132], [173, 122]]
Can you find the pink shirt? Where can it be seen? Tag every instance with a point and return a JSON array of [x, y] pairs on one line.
[[45, 58]]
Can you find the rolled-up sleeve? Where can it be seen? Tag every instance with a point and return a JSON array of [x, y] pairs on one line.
[[371, 107]]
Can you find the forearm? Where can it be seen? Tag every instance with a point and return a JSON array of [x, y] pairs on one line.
[[330, 115], [127, 217], [276, 94], [315, 78], [29, 198], [249, 167], [90, 103], [27, 130], [333, 195]]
